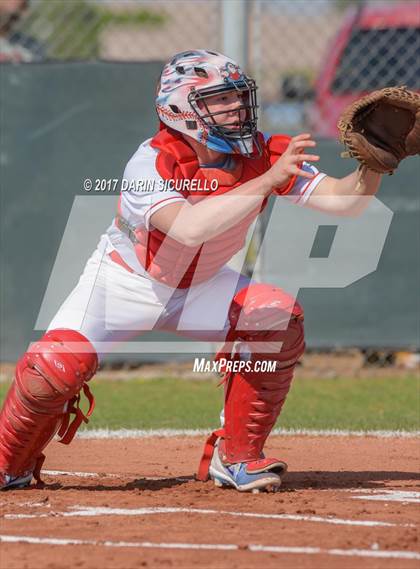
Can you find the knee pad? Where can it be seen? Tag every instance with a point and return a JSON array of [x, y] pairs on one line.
[[267, 323], [55, 368]]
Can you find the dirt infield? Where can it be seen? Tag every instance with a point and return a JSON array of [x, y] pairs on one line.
[[346, 502]]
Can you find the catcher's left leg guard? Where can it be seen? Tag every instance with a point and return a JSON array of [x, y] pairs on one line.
[[253, 398]]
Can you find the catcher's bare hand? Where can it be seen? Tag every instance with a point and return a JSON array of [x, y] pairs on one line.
[[290, 163]]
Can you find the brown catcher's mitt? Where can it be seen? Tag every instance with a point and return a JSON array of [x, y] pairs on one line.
[[382, 128]]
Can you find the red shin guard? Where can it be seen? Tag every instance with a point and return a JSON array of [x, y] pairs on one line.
[[254, 399], [45, 391], [253, 402]]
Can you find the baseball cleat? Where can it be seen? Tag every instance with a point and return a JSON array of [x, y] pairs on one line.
[[261, 475], [8, 482]]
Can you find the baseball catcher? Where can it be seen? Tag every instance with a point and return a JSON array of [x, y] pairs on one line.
[[162, 263]]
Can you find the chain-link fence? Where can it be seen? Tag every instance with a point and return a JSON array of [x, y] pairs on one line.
[[310, 57], [119, 30]]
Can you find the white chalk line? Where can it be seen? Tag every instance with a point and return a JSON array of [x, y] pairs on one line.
[[392, 496], [110, 475], [255, 548], [408, 494], [80, 474], [89, 511], [28, 504], [143, 433]]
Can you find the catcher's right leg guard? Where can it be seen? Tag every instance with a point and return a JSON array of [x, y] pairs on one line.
[[45, 391], [254, 398]]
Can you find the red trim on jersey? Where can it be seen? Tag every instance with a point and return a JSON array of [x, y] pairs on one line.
[[161, 201]]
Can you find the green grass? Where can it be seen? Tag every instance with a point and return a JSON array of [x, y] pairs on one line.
[[356, 404]]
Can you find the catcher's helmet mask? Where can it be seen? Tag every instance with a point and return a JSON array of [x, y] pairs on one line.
[[187, 83], [246, 129]]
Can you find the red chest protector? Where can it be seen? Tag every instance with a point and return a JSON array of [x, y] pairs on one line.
[[177, 265]]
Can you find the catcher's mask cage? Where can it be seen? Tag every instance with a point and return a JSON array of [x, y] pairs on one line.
[[185, 87], [237, 132]]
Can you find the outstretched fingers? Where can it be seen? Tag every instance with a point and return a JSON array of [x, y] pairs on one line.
[[303, 136], [298, 143], [310, 157]]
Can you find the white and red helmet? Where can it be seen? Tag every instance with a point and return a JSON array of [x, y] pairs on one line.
[[185, 84]]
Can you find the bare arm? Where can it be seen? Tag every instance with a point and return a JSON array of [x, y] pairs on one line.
[[345, 196], [195, 224]]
